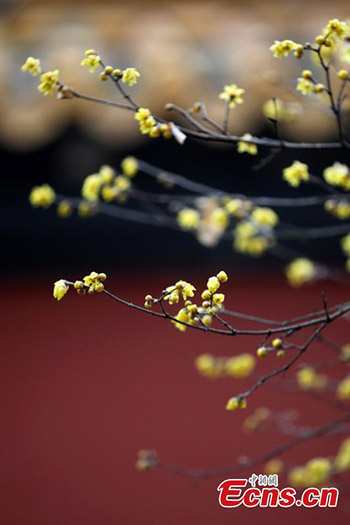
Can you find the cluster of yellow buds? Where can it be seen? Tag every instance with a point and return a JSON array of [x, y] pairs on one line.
[[232, 94], [316, 472], [244, 146], [236, 402], [90, 283], [300, 271], [192, 313], [296, 173], [343, 389], [342, 459], [42, 196], [149, 126], [239, 366], [182, 289], [306, 84], [107, 184], [338, 175], [127, 76], [146, 459], [276, 345], [309, 379], [255, 420], [338, 208], [283, 48]]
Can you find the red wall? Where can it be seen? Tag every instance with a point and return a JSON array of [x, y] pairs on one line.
[[86, 383]]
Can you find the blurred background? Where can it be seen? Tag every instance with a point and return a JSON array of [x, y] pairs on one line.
[[86, 384]]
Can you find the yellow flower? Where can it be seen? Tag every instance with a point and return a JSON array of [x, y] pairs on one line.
[[109, 193], [213, 284], [147, 125], [32, 65], [92, 61], [122, 183], [42, 196], [94, 281], [246, 147], [48, 82], [300, 271], [184, 316], [107, 174], [343, 390], [296, 173], [236, 402], [188, 219], [277, 343], [130, 76], [187, 290], [282, 49], [222, 276], [318, 471], [308, 379], [232, 94], [218, 299], [240, 366], [206, 365], [60, 289], [91, 187], [340, 209], [305, 86], [265, 216], [142, 114], [297, 477], [338, 175], [261, 352], [129, 166], [336, 28]]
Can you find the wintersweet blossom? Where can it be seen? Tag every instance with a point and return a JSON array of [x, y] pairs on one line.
[[232, 94], [48, 82], [60, 289], [130, 76], [296, 173], [32, 65]]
